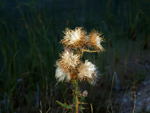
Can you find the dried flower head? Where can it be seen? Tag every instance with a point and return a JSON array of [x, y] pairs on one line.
[[61, 74], [95, 40], [74, 38], [87, 71], [67, 65]]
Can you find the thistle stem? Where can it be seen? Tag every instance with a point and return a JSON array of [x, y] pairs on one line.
[[90, 51], [76, 97]]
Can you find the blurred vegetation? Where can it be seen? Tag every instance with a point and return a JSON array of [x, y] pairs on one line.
[[30, 32]]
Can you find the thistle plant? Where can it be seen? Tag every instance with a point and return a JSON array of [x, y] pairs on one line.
[[70, 67]]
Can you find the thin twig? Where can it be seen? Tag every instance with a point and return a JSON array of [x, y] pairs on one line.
[[57, 83], [123, 99], [91, 108], [90, 51], [134, 101], [110, 92]]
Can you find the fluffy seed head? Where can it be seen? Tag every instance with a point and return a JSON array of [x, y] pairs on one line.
[[74, 38], [66, 65], [87, 71], [61, 74], [69, 60], [95, 40]]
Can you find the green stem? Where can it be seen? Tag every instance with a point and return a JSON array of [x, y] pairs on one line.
[[76, 97]]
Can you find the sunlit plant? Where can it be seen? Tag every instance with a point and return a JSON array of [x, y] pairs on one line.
[[70, 68]]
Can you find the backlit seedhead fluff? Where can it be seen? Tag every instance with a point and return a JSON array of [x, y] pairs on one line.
[[61, 74], [74, 38], [87, 71], [95, 40], [69, 65], [66, 65]]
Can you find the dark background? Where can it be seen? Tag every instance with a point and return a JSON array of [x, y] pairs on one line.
[[30, 32]]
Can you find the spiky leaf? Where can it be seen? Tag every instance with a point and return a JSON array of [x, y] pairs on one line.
[[64, 105]]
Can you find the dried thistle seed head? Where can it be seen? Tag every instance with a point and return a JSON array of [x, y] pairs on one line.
[[95, 40], [74, 38], [87, 71], [61, 74], [66, 65], [68, 61]]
